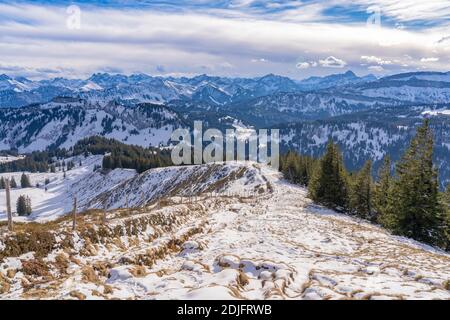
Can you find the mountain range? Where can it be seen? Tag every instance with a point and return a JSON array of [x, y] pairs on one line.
[[368, 117], [424, 87]]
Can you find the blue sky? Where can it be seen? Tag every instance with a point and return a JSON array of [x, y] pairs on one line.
[[42, 39]]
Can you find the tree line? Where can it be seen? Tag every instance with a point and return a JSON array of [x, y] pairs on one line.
[[404, 197], [120, 156], [24, 182]]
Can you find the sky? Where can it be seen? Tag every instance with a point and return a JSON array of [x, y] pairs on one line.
[[236, 38]]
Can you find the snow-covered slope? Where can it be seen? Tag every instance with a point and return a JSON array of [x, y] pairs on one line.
[[64, 121], [55, 199], [282, 108], [418, 87], [125, 188], [8, 158], [224, 245], [185, 181]]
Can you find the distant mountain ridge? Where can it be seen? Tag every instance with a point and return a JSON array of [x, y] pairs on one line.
[[105, 87], [423, 87]]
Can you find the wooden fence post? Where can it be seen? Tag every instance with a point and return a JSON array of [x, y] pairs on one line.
[[104, 218], [74, 214], [8, 205]]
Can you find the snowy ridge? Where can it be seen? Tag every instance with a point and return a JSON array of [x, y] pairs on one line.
[[125, 188], [187, 181]]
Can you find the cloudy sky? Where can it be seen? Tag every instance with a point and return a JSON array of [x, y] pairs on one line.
[[43, 39]]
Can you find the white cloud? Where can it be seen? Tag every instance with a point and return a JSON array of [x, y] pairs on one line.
[[36, 37], [303, 65], [259, 60], [376, 68], [332, 62], [431, 59], [373, 59], [406, 10]]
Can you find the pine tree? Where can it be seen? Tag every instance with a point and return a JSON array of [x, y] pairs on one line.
[[446, 202], [382, 198], [23, 206], [419, 213], [2, 183], [361, 192], [328, 185], [25, 181], [289, 166], [13, 183], [296, 168]]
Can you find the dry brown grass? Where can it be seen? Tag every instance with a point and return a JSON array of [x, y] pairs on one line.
[[61, 263], [78, 295], [107, 289], [138, 271], [11, 273], [39, 241], [446, 285], [89, 274], [35, 267], [4, 284], [242, 279], [102, 267]]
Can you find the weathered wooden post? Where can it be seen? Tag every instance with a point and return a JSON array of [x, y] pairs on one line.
[[104, 218], [74, 214], [8, 205], [127, 203]]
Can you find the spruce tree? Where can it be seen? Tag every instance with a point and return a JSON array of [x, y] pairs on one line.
[[289, 166], [382, 198], [2, 183], [25, 181], [419, 214], [446, 202], [13, 183], [329, 186], [297, 168], [361, 192], [23, 206]]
